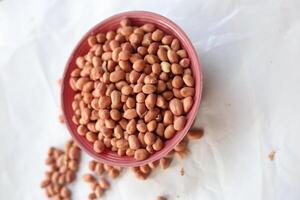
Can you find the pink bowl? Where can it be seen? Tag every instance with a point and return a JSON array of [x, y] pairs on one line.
[[137, 18]]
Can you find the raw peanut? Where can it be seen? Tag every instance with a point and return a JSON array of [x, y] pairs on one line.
[[141, 127], [120, 84], [89, 178], [129, 152], [172, 56], [106, 56], [125, 22], [162, 54], [140, 97], [138, 31], [145, 169], [115, 114], [127, 47], [151, 114], [153, 47], [130, 102], [113, 44], [133, 142], [65, 192], [131, 127], [117, 76], [70, 176], [175, 45], [164, 76], [80, 61], [138, 88], [148, 27], [125, 66], [149, 138], [167, 39], [157, 35], [160, 129], [176, 107], [73, 165], [100, 90], [99, 124], [147, 69], [130, 114], [124, 55], [104, 184], [181, 146], [100, 38], [45, 183], [118, 132], [106, 132], [142, 50], [141, 78], [127, 90], [150, 101], [110, 35], [181, 154], [187, 91], [123, 123], [115, 54], [96, 73], [98, 50], [161, 102], [74, 153], [98, 192], [158, 144], [177, 82], [169, 85], [195, 134], [134, 76], [165, 67], [103, 114], [161, 86], [105, 77], [116, 99], [91, 127], [122, 144], [135, 38], [92, 40], [98, 146], [150, 79], [182, 53], [76, 73], [151, 126], [85, 115], [185, 62], [188, 80], [126, 30], [114, 173], [90, 136], [80, 83], [165, 162], [156, 69], [168, 117], [151, 59], [169, 132], [179, 123], [92, 165], [141, 154], [135, 57], [88, 57], [176, 69], [139, 65], [177, 93], [82, 130], [104, 102], [149, 89]]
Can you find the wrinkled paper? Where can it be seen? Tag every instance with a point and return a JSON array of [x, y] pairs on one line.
[[249, 51]]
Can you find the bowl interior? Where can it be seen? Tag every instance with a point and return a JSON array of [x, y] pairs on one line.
[[137, 18]]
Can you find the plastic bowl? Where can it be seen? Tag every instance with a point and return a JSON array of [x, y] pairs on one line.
[[111, 23]]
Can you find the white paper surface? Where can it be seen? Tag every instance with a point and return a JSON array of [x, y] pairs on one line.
[[250, 53]]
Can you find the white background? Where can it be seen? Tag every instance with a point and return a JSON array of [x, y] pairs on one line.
[[250, 54]]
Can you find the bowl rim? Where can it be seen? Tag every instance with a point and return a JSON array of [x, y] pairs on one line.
[[197, 99]]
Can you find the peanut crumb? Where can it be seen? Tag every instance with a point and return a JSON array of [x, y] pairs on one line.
[[182, 171]]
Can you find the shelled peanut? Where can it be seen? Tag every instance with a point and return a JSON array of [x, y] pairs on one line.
[[133, 90], [63, 167]]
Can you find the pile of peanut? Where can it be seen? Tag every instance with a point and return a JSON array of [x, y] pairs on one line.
[[133, 90], [63, 168]]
